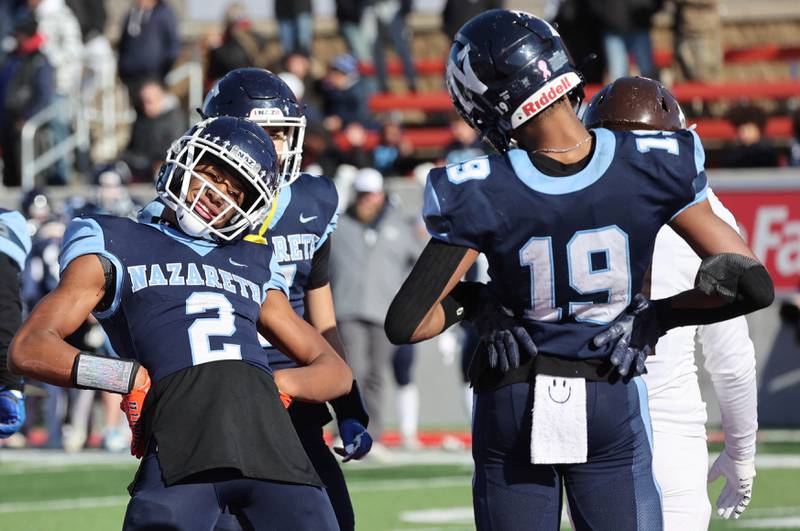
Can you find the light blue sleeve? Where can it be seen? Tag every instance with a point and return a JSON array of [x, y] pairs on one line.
[[277, 280], [328, 230], [700, 180], [15, 242], [85, 236]]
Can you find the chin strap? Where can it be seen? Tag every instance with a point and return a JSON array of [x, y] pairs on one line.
[[259, 238]]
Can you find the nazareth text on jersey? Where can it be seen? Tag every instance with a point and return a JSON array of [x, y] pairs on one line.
[[178, 301]]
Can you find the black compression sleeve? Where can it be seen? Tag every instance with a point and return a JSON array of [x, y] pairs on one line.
[[10, 317], [421, 289], [754, 291], [319, 266], [110, 275]]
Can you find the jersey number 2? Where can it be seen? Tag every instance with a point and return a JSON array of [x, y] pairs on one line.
[[204, 327], [598, 261]]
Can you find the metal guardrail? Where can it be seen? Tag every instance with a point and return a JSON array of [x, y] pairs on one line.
[[30, 163], [192, 72], [76, 112]]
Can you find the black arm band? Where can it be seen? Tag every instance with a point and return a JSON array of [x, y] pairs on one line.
[[319, 266], [350, 406], [422, 289], [103, 373], [110, 275], [753, 291]]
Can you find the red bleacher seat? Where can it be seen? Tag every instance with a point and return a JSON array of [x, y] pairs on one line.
[[663, 59], [709, 129]]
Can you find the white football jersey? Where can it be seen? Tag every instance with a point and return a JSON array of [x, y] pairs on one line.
[[673, 391]]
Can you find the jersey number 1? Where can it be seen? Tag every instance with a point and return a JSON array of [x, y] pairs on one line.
[[598, 261]]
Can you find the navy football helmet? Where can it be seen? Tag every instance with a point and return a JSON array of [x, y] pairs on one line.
[[248, 154], [263, 97], [504, 68]]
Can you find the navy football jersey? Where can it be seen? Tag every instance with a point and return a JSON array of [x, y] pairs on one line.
[[178, 301], [304, 218], [568, 253]]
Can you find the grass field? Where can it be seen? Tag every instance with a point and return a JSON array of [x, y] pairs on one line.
[[44, 491]]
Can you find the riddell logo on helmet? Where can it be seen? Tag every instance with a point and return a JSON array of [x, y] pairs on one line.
[[541, 99]]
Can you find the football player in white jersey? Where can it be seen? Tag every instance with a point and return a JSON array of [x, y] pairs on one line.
[[677, 410]]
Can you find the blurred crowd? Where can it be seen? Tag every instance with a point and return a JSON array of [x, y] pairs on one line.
[[55, 53]]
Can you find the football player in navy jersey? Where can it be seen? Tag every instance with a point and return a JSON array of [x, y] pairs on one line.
[[299, 232], [15, 244], [567, 219], [182, 298]]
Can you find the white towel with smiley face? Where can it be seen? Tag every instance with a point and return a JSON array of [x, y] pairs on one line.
[[559, 431]]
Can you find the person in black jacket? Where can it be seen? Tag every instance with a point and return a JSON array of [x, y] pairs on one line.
[[348, 16], [149, 44], [626, 30], [157, 124], [27, 85]]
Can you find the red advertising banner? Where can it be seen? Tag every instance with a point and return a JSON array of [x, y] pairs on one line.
[[770, 222]]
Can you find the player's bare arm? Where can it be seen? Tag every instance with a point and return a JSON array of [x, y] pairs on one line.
[[39, 350], [322, 316], [325, 375], [731, 281], [433, 297]]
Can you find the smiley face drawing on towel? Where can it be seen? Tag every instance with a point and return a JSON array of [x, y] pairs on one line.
[[559, 391]]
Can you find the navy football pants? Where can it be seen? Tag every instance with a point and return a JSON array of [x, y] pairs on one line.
[[260, 505], [327, 468], [614, 490]]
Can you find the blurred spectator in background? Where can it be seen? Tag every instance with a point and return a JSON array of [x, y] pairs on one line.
[[299, 64], [320, 157], [625, 25], [697, 39], [394, 154], [63, 46], [750, 149], [295, 84], [158, 123], [240, 46], [111, 193], [344, 98], [295, 25], [148, 46], [348, 16], [794, 147], [27, 85], [582, 33], [91, 16], [376, 244], [466, 144], [98, 58], [354, 150], [8, 10], [387, 18], [457, 12]]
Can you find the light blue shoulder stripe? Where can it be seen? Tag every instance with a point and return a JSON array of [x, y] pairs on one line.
[[85, 236], [277, 280], [605, 147], [284, 198], [328, 230], [15, 242]]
